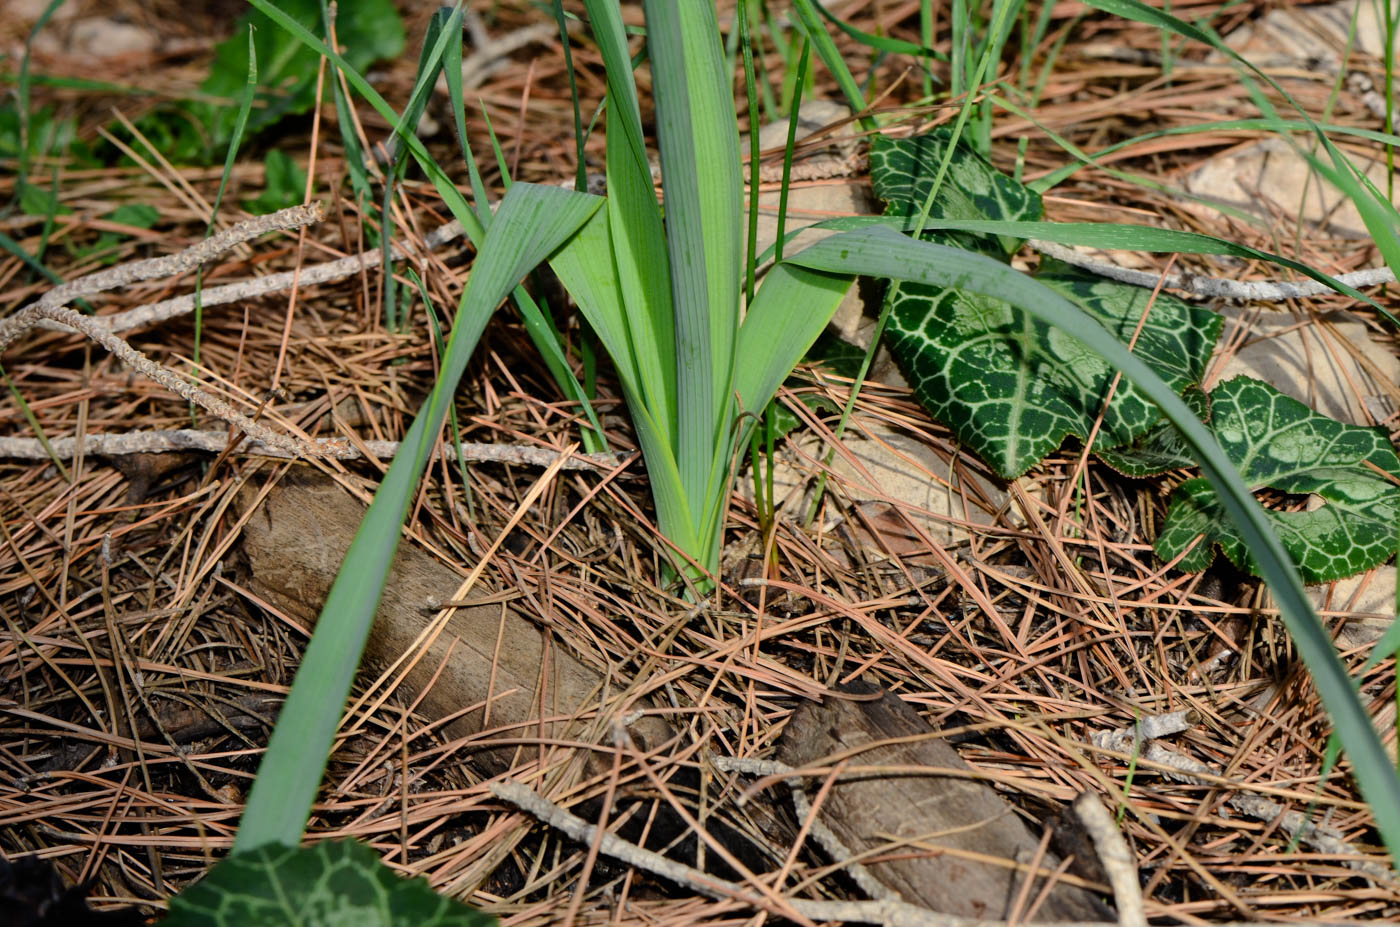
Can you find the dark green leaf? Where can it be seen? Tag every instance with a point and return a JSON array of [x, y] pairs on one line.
[[1160, 449], [331, 884], [1279, 443], [1011, 387], [903, 170]]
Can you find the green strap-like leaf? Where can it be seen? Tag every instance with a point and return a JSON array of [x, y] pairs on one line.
[[699, 138], [335, 883], [532, 222], [792, 308], [1279, 443]]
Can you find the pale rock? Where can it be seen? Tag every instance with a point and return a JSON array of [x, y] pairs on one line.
[[29, 11], [1330, 363], [100, 37], [1308, 36], [1368, 600], [1270, 177]]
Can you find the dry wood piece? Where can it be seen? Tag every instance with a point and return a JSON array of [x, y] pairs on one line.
[[295, 543], [946, 812]]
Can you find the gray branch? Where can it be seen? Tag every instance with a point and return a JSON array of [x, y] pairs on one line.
[[1214, 287], [216, 442]]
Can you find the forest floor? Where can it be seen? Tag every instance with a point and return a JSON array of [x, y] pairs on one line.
[[141, 666]]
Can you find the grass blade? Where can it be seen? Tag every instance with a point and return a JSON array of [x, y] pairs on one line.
[[531, 222], [699, 138]]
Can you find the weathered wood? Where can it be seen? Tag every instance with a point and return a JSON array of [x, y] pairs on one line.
[[950, 812], [294, 544]]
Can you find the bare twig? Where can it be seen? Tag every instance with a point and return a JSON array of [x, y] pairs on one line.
[[53, 305], [1138, 740], [888, 913], [1115, 857], [1214, 287], [216, 442], [168, 266], [1127, 739], [328, 272]]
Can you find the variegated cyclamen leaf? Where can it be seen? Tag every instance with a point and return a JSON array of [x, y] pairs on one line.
[[902, 171], [1160, 449], [1010, 387], [1279, 443], [1013, 388], [328, 884]]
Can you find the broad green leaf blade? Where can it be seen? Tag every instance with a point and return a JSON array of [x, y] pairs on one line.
[[605, 16], [791, 309], [643, 273], [1010, 386], [585, 267], [1013, 388], [884, 253], [532, 221], [902, 172], [1160, 449], [331, 884], [639, 255], [1278, 442], [699, 138], [668, 491]]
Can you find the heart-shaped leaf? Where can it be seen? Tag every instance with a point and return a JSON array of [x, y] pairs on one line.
[[331, 883], [1279, 443], [1013, 388]]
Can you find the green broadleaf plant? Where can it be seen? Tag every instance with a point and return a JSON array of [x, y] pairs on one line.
[[1278, 442], [881, 251], [1013, 388], [1010, 386], [329, 884]]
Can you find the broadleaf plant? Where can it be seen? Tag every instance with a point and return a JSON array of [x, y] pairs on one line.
[[883, 252], [328, 884], [1011, 386], [1279, 443]]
